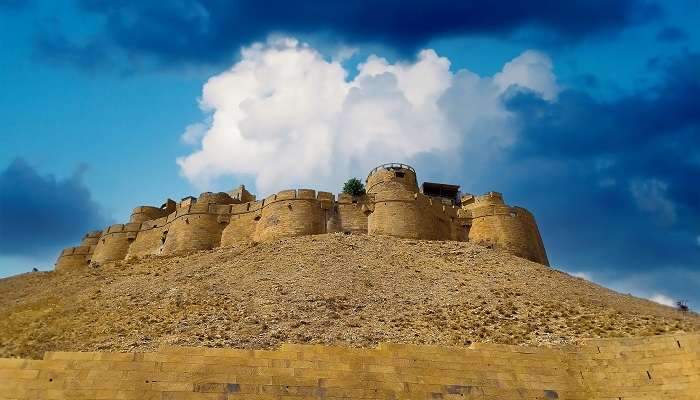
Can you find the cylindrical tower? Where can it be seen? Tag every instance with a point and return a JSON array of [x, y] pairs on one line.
[[72, 258], [114, 242], [399, 209], [392, 176], [291, 213], [493, 223], [195, 226]]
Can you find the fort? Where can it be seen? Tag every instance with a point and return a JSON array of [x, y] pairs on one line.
[[440, 295], [393, 205]]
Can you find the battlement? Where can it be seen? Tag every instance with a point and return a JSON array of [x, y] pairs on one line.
[[393, 205], [216, 198], [490, 198]]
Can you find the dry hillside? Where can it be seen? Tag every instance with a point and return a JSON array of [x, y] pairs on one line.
[[335, 289]]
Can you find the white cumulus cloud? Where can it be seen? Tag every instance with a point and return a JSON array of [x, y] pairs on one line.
[[582, 275], [663, 299], [292, 118], [531, 70]]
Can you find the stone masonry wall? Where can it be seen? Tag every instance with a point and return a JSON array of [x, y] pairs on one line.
[[147, 213], [493, 223], [91, 238], [73, 258], [381, 177], [349, 214], [149, 240], [114, 242], [661, 367], [400, 210], [291, 213], [509, 228], [392, 206], [192, 229], [242, 223]]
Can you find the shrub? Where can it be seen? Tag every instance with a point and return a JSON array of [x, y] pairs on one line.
[[354, 187]]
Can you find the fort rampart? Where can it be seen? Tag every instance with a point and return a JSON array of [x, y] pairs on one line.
[[659, 367], [393, 205]]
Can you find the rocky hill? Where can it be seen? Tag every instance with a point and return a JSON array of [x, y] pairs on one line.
[[353, 290]]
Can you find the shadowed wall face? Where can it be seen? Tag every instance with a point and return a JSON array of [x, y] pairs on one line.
[[149, 241], [350, 214], [114, 242], [73, 258], [192, 232], [241, 228]]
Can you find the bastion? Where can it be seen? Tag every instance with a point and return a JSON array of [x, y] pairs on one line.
[[394, 205]]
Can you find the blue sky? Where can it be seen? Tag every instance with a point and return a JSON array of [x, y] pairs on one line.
[[584, 112]]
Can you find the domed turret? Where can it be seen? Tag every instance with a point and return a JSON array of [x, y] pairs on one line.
[[390, 177]]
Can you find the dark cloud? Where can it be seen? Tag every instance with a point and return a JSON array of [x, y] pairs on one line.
[[40, 214], [671, 34], [175, 32], [614, 184]]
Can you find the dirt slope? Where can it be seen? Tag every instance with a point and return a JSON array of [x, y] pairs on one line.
[[334, 289]]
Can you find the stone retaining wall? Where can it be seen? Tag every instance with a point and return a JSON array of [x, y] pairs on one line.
[[661, 367]]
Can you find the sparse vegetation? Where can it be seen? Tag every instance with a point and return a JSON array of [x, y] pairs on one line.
[[309, 289], [354, 187]]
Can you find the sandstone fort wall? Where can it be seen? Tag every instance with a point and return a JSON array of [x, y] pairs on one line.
[[291, 213], [661, 367], [149, 240], [242, 223], [191, 228], [400, 210], [147, 213], [73, 258], [91, 238], [510, 228], [114, 242], [350, 214], [392, 206]]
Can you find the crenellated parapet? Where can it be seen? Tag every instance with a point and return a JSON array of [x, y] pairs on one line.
[[115, 241], [393, 205]]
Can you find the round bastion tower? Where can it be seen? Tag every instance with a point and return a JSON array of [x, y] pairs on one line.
[[493, 223], [397, 211], [195, 225]]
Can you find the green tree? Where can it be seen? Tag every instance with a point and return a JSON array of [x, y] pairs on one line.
[[354, 187]]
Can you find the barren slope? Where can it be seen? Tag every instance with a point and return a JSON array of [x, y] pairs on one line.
[[334, 289]]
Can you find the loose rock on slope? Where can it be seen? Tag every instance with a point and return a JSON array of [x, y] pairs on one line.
[[352, 290]]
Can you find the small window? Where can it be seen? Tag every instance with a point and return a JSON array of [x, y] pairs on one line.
[[399, 174]]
